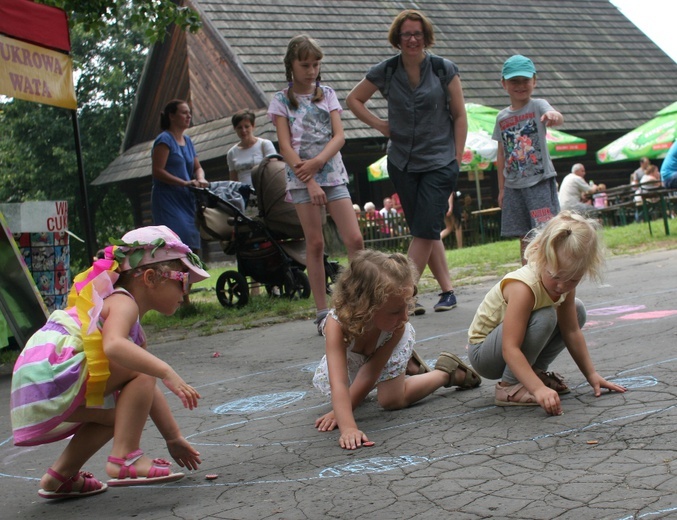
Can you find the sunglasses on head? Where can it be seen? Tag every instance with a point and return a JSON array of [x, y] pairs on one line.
[[179, 276]]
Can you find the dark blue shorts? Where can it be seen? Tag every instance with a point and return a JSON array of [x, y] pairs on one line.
[[425, 197]]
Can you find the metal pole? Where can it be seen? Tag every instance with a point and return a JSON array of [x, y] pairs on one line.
[[479, 202], [90, 239]]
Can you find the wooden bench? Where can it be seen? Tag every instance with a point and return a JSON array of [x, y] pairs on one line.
[[615, 214], [489, 223]]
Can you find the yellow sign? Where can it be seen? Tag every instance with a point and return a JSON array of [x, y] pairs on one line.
[[36, 74]]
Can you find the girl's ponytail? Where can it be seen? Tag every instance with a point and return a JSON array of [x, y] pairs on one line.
[[290, 83], [319, 93]]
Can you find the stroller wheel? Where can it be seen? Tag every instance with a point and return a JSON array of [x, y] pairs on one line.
[[232, 289], [296, 284]]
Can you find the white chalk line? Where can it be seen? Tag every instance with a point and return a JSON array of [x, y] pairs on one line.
[[432, 460]]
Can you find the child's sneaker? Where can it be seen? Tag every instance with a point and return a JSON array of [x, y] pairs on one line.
[[418, 309], [319, 322], [446, 303]]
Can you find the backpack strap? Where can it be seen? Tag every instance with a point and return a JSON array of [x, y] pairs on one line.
[[391, 67], [438, 66]]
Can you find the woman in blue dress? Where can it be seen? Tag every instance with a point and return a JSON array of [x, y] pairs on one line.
[[175, 167]]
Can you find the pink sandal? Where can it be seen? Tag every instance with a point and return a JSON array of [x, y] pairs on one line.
[[514, 395], [90, 486], [159, 472]]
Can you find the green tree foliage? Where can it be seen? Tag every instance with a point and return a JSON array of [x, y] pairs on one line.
[[37, 147], [154, 16]]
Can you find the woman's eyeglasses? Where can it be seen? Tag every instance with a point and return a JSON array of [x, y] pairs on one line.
[[418, 36]]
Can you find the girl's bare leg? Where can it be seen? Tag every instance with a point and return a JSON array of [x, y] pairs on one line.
[[343, 214], [310, 217], [401, 392], [89, 439], [131, 413]]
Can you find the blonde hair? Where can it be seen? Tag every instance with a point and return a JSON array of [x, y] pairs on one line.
[[417, 16], [371, 278], [300, 48], [570, 245]]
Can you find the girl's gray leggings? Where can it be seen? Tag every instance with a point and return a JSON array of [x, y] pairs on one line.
[[542, 344]]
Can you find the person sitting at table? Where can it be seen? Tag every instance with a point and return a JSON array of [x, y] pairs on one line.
[[373, 219], [651, 180], [388, 214], [636, 176], [573, 188]]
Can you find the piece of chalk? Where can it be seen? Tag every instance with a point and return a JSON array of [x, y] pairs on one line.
[[211, 477], [368, 444]]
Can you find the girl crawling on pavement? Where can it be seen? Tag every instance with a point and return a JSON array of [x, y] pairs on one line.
[[369, 343]]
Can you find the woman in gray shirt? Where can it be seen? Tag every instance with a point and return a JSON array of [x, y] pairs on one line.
[[426, 141]]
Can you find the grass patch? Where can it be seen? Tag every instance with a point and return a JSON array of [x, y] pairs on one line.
[[466, 265], [207, 316]]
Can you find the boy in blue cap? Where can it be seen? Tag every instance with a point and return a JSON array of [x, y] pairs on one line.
[[527, 178]]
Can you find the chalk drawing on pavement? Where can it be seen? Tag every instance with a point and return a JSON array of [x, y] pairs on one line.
[[372, 465], [597, 324], [311, 367], [384, 464], [633, 383], [637, 516], [618, 309], [259, 403], [652, 315]]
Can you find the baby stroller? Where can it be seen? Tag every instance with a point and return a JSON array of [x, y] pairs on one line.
[[279, 215], [274, 258]]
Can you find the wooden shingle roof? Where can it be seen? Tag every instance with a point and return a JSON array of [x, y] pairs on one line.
[[593, 64]]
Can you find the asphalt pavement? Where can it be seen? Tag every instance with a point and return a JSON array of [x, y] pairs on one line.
[[453, 455]]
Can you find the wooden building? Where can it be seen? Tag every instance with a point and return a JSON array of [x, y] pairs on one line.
[[594, 66]]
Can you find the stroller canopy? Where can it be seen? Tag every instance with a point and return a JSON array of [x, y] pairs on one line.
[[270, 185]]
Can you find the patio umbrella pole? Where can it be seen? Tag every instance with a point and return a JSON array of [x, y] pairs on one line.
[[476, 173]]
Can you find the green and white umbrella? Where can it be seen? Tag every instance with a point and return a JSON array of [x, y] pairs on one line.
[[652, 139], [480, 149]]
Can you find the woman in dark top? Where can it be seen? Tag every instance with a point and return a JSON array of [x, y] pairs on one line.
[[426, 142]]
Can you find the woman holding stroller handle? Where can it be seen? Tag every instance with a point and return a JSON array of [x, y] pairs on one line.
[[425, 142], [250, 151], [175, 167], [307, 117]]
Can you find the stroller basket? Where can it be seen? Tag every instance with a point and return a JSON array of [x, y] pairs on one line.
[[264, 262]]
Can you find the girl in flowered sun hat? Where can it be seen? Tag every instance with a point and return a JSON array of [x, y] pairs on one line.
[[87, 373]]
